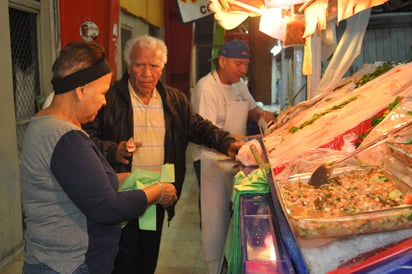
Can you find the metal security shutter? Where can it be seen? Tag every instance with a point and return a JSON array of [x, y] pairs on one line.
[[26, 88]]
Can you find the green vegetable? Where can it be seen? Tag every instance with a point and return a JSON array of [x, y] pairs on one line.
[[316, 116], [378, 72], [293, 129], [377, 119], [395, 195], [379, 178], [396, 102]]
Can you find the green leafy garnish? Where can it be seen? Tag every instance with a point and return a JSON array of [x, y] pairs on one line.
[[316, 116], [378, 72]]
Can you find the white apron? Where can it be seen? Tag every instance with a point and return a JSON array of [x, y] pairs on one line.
[[236, 117], [216, 178]]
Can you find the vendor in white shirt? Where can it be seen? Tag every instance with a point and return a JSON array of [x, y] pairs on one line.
[[222, 97]]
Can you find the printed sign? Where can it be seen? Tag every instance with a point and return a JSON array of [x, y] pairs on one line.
[[191, 10]]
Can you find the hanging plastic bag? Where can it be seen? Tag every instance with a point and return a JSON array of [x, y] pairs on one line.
[[294, 30]]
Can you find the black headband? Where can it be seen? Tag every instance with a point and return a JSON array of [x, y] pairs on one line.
[[80, 78]]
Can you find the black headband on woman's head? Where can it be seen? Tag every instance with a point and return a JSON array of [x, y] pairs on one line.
[[80, 78]]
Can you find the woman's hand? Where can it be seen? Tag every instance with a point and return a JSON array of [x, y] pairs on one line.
[[161, 193], [168, 196]]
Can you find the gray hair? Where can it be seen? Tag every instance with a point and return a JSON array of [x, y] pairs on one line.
[[145, 42]]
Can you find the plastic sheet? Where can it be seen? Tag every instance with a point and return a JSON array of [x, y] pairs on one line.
[[399, 116], [347, 50]]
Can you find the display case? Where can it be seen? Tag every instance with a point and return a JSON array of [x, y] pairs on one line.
[[361, 252], [369, 253], [262, 249], [356, 200]]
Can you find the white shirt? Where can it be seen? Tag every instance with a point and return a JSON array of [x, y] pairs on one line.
[[149, 128], [210, 95]]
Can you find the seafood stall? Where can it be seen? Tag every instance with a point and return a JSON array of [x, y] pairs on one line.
[[339, 164], [359, 217]]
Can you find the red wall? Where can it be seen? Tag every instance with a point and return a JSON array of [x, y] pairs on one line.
[[179, 40], [104, 14]]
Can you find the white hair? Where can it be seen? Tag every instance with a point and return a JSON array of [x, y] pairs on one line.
[[145, 42]]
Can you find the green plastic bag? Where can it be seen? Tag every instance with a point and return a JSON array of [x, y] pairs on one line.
[[255, 182], [141, 178]]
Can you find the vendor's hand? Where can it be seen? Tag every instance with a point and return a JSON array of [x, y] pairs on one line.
[[233, 149], [169, 195], [267, 116], [123, 154]]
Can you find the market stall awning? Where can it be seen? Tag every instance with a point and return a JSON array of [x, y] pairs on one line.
[[276, 14], [308, 23]]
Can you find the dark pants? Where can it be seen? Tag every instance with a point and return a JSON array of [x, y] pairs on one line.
[[139, 249]]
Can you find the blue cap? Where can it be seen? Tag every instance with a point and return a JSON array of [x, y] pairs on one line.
[[235, 49]]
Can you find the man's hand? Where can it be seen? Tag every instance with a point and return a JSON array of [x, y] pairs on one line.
[[233, 149], [238, 137], [123, 154]]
